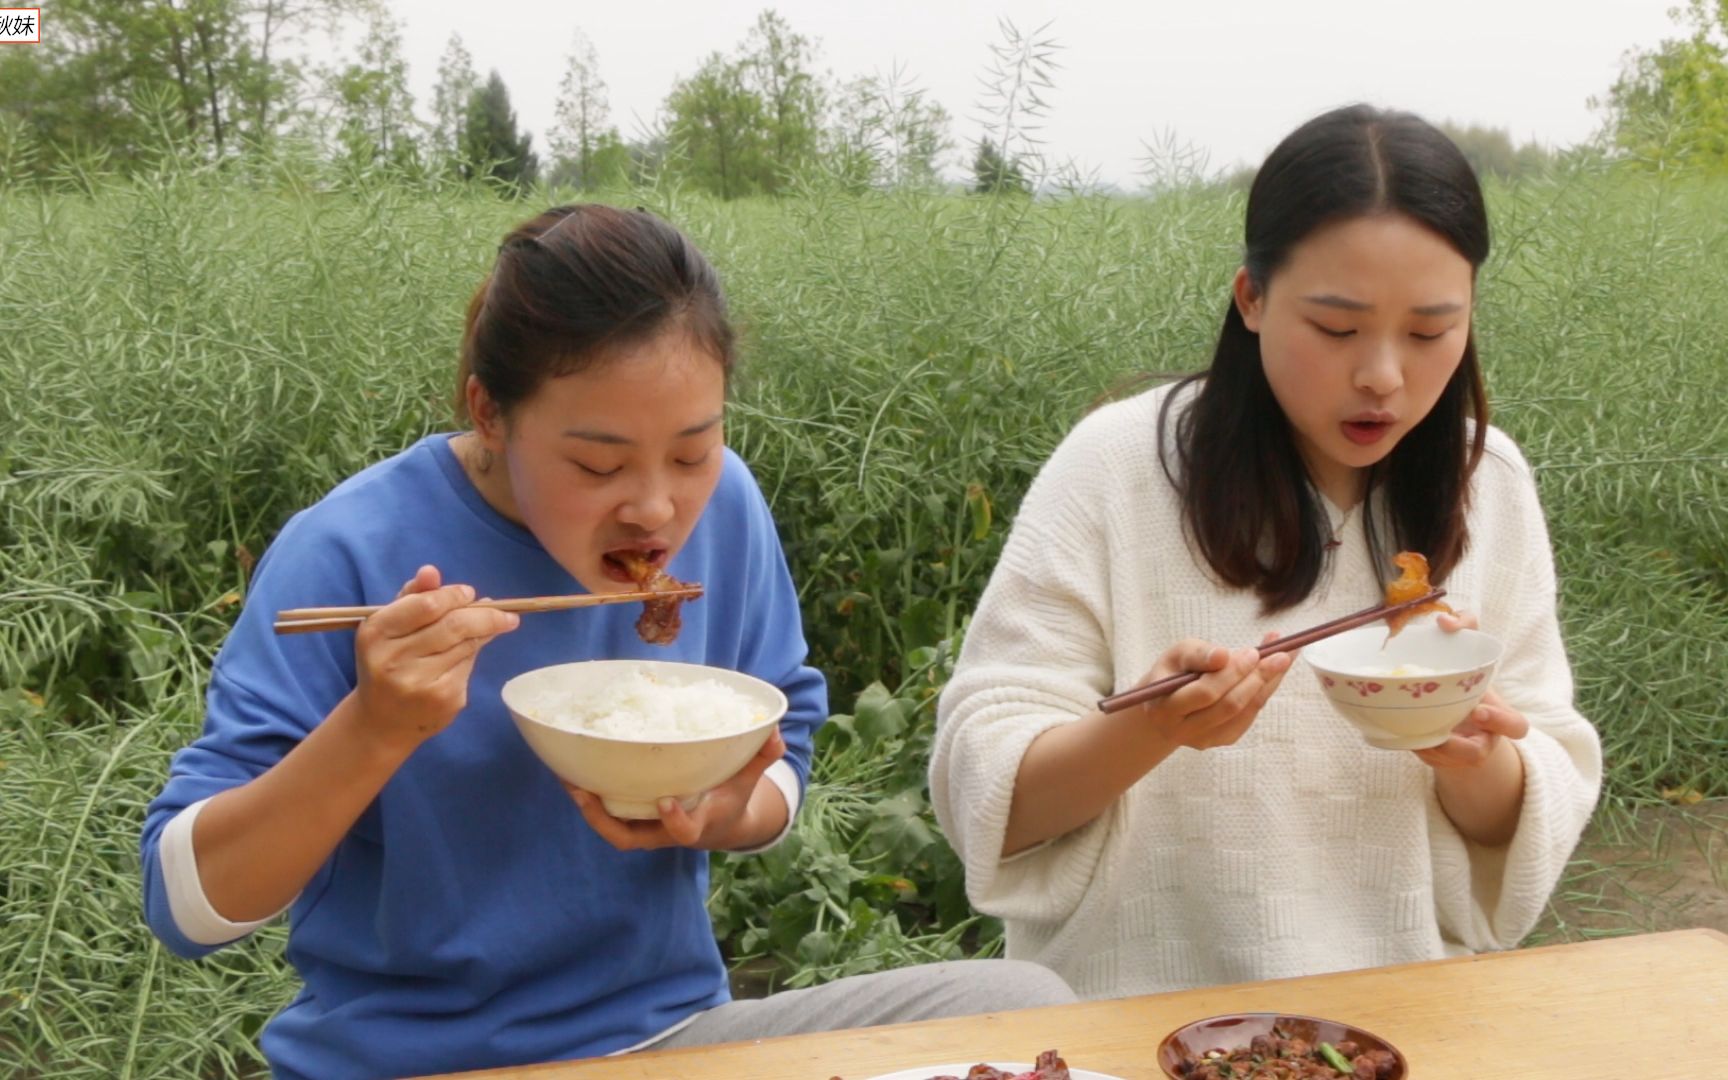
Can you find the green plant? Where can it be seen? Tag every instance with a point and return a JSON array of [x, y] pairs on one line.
[[865, 882]]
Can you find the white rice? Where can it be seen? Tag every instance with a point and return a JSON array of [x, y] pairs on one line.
[[641, 708], [1402, 671]]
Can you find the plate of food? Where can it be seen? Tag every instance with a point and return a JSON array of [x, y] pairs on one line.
[[1258, 1046], [1049, 1066]]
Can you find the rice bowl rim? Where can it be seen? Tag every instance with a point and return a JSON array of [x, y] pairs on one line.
[[1318, 656], [776, 713]]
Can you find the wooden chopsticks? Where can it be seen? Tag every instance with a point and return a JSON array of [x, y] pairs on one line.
[[309, 620], [1140, 695]]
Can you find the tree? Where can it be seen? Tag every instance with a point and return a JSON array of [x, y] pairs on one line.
[[85, 95], [992, 174], [219, 68], [456, 84], [205, 35], [741, 123], [375, 109], [588, 150], [1669, 108], [1491, 152], [611, 162], [887, 133], [268, 86], [492, 146], [776, 68], [60, 103], [715, 123]]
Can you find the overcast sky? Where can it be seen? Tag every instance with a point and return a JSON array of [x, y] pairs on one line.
[[1228, 77]]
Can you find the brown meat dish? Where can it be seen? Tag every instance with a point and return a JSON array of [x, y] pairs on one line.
[[1280, 1057], [1409, 585], [660, 621], [1049, 1066]]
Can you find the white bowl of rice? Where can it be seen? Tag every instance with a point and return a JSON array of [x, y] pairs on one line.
[[636, 731]]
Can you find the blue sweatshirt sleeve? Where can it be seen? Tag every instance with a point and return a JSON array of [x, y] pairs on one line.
[[266, 694]]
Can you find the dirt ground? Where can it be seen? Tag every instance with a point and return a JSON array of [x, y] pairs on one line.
[[1654, 868]]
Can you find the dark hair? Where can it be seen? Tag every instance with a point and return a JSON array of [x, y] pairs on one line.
[[577, 282], [1248, 504]]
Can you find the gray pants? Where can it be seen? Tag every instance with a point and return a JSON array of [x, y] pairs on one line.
[[923, 992]]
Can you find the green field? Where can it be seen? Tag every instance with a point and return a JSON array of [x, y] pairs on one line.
[[185, 360]]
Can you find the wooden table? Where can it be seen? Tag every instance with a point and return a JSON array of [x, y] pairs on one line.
[[1576, 1012]]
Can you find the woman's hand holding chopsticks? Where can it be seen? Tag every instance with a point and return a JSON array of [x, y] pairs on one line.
[[414, 656], [260, 843], [1218, 707], [1072, 772]]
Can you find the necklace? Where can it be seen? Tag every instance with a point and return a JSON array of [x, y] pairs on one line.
[[1338, 527]]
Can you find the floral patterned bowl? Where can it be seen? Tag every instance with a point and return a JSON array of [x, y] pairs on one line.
[[1408, 692]]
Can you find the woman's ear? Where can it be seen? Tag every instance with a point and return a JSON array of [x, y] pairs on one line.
[[1250, 303], [485, 415]]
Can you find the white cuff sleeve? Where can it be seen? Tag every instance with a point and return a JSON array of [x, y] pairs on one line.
[[787, 781], [191, 909]]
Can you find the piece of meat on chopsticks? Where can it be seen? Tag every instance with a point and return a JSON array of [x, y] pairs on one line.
[[1409, 585], [660, 621]]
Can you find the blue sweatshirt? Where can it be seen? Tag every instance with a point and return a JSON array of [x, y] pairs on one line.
[[471, 918]]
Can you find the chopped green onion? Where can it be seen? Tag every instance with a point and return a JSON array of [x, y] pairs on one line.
[[1336, 1060]]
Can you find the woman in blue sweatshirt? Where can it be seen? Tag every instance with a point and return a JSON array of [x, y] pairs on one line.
[[452, 905]]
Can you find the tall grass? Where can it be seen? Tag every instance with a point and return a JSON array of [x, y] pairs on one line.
[[184, 361]]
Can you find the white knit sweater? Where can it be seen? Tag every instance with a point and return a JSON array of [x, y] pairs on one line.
[[1298, 850]]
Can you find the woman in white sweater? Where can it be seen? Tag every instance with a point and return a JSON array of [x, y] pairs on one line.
[[1239, 829]]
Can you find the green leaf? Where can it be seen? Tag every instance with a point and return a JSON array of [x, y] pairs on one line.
[[923, 623], [898, 832], [816, 948], [837, 732], [788, 922], [879, 715]]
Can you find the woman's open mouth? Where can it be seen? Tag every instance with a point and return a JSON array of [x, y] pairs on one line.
[[1366, 432], [613, 562]]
